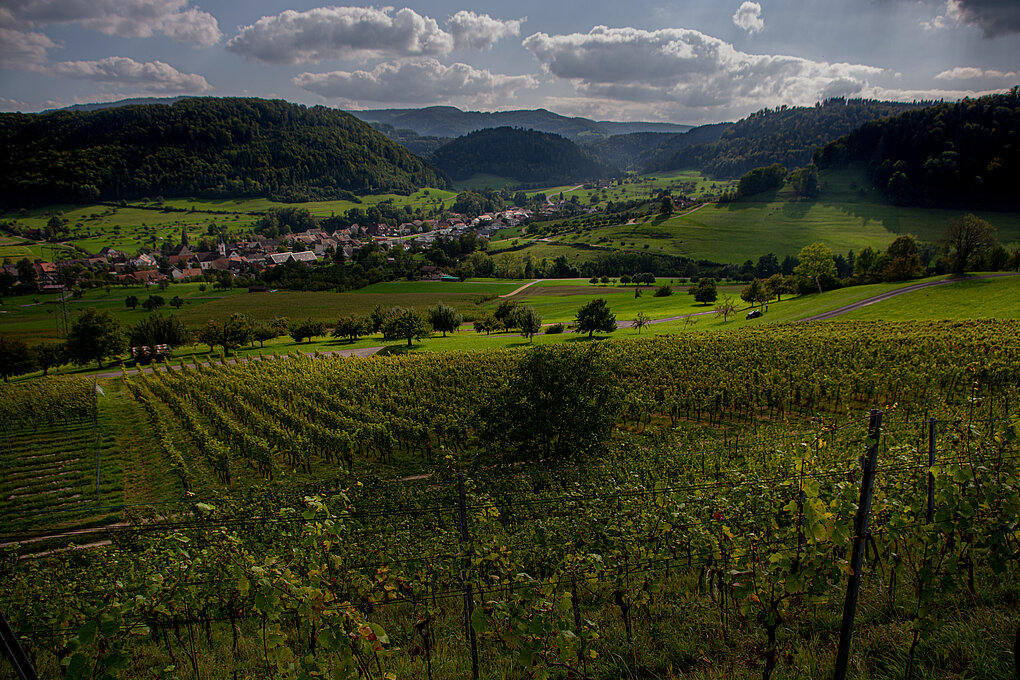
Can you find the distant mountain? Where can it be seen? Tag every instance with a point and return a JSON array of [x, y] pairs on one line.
[[637, 150], [787, 135], [415, 143], [448, 121], [957, 154], [527, 156], [202, 147]]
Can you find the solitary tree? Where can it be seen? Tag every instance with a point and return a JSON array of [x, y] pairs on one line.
[[529, 321], [967, 238], [816, 261], [94, 336], [725, 307], [264, 332], [409, 325], [131, 301], [153, 302], [902, 260], [776, 285], [755, 293], [445, 318], [641, 320], [595, 316], [176, 302], [705, 292]]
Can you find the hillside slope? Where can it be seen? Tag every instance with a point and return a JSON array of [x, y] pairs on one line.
[[216, 147], [787, 135], [525, 155]]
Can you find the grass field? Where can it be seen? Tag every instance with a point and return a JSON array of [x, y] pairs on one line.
[[845, 217]]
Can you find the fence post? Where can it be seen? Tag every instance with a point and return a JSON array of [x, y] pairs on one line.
[[931, 478], [14, 653], [846, 629], [469, 598]]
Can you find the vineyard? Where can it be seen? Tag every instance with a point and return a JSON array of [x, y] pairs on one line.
[[364, 518]]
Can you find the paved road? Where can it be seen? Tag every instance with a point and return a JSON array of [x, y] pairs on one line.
[[893, 293]]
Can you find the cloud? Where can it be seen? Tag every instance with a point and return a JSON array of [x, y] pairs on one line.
[[329, 33], [12, 104], [973, 73], [124, 18], [480, 31], [419, 81], [748, 17], [126, 73], [686, 70], [995, 18], [20, 49]]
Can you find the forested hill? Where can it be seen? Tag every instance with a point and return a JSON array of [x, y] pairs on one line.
[[525, 155], [959, 154], [636, 150], [201, 147], [448, 121], [787, 135]]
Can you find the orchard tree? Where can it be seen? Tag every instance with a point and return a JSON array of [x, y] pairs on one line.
[[94, 336], [966, 240], [48, 355], [409, 325], [229, 334], [306, 330], [485, 324], [777, 285], [351, 327], [816, 261], [755, 293], [726, 307], [153, 302], [159, 330], [131, 301], [595, 316], [264, 332], [529, 321], [445, 318], [507, 313], [705, 292]]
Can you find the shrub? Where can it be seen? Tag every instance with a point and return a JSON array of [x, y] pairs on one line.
[[663, 291], [554, 328]]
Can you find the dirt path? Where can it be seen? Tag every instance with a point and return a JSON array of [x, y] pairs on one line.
[[520, 288], [893, 293]]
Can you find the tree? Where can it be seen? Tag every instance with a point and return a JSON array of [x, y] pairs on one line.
[[486, 324], [94, 336], [641, 320], [560, 403], [705, 292], [159, 330], [966, 240], [15, 358], [445, 318], [529, 321], [666, 205], [755, 293], [816, 261], [131, 301], [646, 278], [153, 302], [229, 334], [306, 330], [506, 313], [264, 332], [176, 302], [777, 284], [409, 325], [26, 273], [47, 356], [351, 327], [726, 306], [805, 181], [595, 316], [902, 260]]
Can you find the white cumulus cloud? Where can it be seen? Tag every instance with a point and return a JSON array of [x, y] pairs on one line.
[[23, 49], [124, 18], [417, 81], [748, 17], [329, 33], [974, 73], [125, 73], [693, 74]]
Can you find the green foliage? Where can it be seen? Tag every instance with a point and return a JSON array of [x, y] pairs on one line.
[[967, 239], [950, 154], [159, 330], [228, 334], [351, 327], [306, 330], [153, 302], [94, 336], [445, 318], [207, 146], [407, 325], [594, 316], [524, 155], [665, 290], [805, 181], [705, 292], [560, 403], [755, 293], [529, 321], [15, 357], [815, 262], [902, 260], [131, 301], [761, 179]]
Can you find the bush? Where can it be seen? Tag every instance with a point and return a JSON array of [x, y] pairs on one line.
[[664, 290], [554, 328]]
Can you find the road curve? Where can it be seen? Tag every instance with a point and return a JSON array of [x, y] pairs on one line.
[[893, 293]]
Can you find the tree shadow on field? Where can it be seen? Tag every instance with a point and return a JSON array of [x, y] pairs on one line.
[[399, 350], [585, 338]]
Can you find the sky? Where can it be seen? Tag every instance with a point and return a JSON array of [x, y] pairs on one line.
[[679, 61]]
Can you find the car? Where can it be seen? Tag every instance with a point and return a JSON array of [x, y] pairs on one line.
[[754, 314]]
